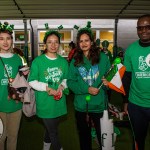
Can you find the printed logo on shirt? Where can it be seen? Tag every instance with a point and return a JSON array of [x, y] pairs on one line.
[[144, 64], [9, 71], [147, 59], [4, 81], [89, 76], [53, 75]]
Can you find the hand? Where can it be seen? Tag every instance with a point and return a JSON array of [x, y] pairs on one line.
[[125, 108], [93, 90], [51, 91], [58, 96], [59, 93], [105, 82], [60, 89]]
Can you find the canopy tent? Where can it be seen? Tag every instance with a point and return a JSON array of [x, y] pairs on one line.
[[69, 9], [102, 9]]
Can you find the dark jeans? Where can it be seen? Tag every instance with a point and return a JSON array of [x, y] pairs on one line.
[[84, 128], [140, 118], [51, 133]]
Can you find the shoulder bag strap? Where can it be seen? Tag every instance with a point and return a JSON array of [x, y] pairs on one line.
[[5, 69]]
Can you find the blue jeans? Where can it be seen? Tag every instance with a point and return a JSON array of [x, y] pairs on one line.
[[140, 118]]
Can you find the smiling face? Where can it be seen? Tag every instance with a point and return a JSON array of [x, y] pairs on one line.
[[85, 43], [52, 44], [143, 29], [5, 42]]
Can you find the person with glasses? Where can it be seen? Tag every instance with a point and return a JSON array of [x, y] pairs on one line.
[[48, 77], [137, 82]]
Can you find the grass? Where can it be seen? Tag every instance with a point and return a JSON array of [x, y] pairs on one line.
[[31, 131]]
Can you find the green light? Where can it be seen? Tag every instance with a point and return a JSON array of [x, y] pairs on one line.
[[88, 98], [117, 61]]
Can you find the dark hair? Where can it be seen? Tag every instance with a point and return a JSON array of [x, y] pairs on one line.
[[6, 31], [144, 16], [49, 33], [72, 45], [18, 51], [93, 52]]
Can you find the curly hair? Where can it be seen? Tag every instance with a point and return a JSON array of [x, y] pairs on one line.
[[94, 51]]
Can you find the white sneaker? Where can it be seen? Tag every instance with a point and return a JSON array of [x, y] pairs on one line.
[[46, 146]]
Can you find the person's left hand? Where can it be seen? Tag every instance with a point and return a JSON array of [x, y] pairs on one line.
[[105, 82], [59, 93]]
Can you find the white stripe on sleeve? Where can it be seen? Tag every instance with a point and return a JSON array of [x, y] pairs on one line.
[[39, 86]]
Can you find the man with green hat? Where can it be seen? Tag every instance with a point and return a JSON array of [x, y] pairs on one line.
[[105, 45]]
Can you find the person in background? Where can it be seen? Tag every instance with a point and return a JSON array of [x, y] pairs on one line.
[[21, 54], [72, 47], [85, 75], [137, 82], [104, 49], [48, 77], [98, 42], [10, 110], [120, 53], [24, 68]]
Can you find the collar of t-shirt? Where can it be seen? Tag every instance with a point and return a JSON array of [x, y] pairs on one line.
[[144, 44], [50, 58], [6, 55]]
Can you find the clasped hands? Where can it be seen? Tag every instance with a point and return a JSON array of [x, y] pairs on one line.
[[56, 93]]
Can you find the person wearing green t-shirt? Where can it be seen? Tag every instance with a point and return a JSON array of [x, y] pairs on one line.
[[10, 109], [137, 82], [48, 77], [105, 45], [86, 73]]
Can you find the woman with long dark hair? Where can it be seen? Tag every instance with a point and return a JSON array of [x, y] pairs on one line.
[[85, 75]]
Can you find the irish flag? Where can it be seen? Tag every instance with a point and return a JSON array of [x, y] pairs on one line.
[[115, 75]]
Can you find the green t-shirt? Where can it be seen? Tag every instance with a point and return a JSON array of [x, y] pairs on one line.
[[12, 64], [85, 75], [108, 53], [137, 61], [51, 72]]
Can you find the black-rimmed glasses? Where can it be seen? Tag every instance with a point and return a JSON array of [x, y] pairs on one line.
[[140, 28]]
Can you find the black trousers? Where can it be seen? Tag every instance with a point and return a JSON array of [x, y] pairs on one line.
[[51, 132], [140, 118], [84, 128]]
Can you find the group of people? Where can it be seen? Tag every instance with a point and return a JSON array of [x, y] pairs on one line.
[[50, 75]]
